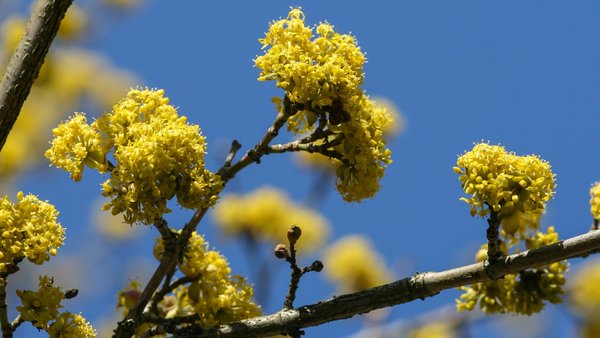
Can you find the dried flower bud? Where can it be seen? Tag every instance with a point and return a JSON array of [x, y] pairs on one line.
[[294, 234], [281, 251], [72, 293], [317, 266]]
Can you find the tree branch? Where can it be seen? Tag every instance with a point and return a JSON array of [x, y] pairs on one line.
[[419, 286], [26, 61]]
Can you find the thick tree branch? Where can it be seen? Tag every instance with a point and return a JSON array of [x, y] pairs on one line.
[[25, 63], [419, 286]]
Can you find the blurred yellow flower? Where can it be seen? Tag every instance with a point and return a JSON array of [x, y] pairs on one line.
[[584, 293], [267, 214], [595, 200], [352, 265], [436, 329]]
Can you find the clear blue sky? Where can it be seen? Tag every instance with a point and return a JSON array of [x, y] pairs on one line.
[[525, 74]]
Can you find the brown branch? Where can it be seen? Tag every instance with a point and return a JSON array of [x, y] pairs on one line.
[[7, 329], [493, 236], [419, 286], [25, 63]]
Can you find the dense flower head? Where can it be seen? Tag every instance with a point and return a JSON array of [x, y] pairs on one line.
[[353, 265], [364, 155], [595, 200], [158, 156], [315, 70], [41, 306], [504, 182], [267, 214], [75, 144], [321, 76], [28, 228], [522, 293], [69, 325], [215, 296]]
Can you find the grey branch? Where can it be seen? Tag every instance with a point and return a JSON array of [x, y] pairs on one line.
[[26, 61], [419, 286]]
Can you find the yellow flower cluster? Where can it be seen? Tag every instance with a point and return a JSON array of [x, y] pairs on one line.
[[322, 76], [158, 156], [595, 200], [267, 214], [216, 296], [524, 293], [353, 265], [364, 155], [40, 307], [69, 325], [68, 74], [504, 182], [28, 229], [316, 71]]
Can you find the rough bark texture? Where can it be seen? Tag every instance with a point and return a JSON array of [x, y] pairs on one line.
[[25, 63]]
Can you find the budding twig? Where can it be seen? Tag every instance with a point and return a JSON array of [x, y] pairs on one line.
[[282, 252]]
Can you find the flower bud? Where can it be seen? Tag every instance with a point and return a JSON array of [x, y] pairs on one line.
[[281, 251], [294, 234], [317, 266]]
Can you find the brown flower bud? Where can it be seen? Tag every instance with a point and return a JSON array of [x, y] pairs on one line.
[[316, 266], [294, 234], [72, 293], [281, 251]]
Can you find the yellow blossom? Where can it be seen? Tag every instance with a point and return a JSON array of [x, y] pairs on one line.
[[158, 156], [522, 293], [69, 325], [267, 214], [40, 307], [75, 144], [315, 71], [595, 200], [215, 296], [321, 75], [29, 229], [504, 182], [353, 265]]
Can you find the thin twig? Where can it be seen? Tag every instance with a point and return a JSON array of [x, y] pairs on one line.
[[419, 286], [25, 63]]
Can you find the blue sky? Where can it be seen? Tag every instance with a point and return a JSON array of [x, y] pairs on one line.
[[522, 74]]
